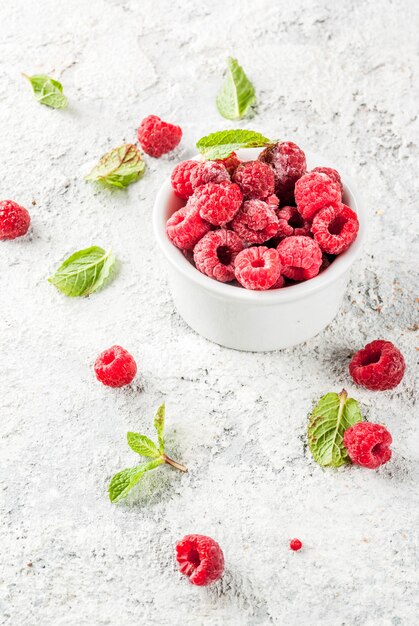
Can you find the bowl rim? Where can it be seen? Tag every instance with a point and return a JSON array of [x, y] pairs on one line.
[[338, 268]]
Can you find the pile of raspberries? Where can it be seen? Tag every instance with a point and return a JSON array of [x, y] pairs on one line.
[[266, 223]]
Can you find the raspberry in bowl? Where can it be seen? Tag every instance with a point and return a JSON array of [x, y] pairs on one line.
[[280, 294]]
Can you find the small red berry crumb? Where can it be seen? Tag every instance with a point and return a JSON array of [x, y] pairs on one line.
[[368, 444], [300, 257], [181, 178], [200, 558], [256, 179], [115, 367], [295, 544], [258, 268], [14, 220], [157, 137], [256, 222], [186, 227], [215, 253], [218, 204], [335, 228], [378, 366], [209, 172], [314, 191]]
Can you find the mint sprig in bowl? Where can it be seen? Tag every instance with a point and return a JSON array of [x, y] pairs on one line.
[[241, 318]]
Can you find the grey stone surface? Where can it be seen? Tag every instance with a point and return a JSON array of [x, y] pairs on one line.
[[339, 78]]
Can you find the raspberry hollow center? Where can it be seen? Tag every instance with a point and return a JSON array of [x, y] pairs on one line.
[[193, 557], [258, 263], [378, 449], [224, 255], [370, 359], [108, 358], [296, 221], [336, 225]]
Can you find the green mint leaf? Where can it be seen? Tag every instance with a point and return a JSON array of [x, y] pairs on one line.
[[118, 168], [143, 445], [237, 94], [159, 426], [221, 144], [333, 414], [83, 272], [47, 91], [122, 483]]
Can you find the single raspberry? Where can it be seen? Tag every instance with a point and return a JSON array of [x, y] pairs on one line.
[[115, 367], [230, 163], [186, 227], [256, 179], [295, 544], [291, 222], [335, 228], [258, 267], [300, 257], [256, 221], [313, 192], [378, 366], [289, 164], [218, 203], [14, 220], [200, 558], [157, 137], [215, 253], [209, 172], [368, 444], [331, 173], [181, 179]]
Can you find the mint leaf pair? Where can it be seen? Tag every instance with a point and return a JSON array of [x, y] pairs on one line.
[[332, 415], [84, 272], [119, 167], [221, 144], [47, 91], [237, 94], [122, 483]]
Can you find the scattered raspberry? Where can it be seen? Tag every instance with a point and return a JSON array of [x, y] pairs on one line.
[[256, 221], [331, 173], [378, 366], [200, 558], [295, 544], [181, 179], [115, 367], [209, 172], [186, 227], [313, 192], [300, 257], [257, 268], [218, 203], [368, 444], [14, 220], [289, 164], [157, 137], [215, 253], [291, 222], [256, 179], [230, 163], [335, 228]]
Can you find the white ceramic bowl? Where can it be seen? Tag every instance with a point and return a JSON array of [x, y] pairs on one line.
[[256, 320]]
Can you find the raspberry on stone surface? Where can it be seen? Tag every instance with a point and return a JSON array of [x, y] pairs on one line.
[[335, 228], [256, 222], [186, 227], [378, 367], [289, 164], [258, 267], [218, 203], [200, 558], [295, 545], [181, 178], [331, 173], [315, 191], [115, 367], [215, 253], [368, 444], [291, 222], [14, 220], [209, 172], [256, 179], [300, 257], [157, 137]]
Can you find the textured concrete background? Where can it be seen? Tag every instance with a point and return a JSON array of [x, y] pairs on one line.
[[339, 78]]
